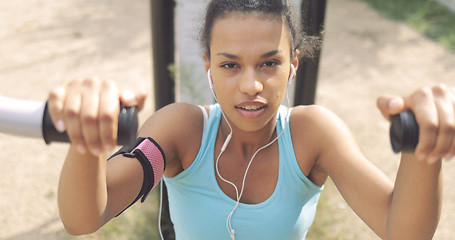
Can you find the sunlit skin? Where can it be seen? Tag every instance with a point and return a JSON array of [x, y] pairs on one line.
[[250, 62], [250, 66]]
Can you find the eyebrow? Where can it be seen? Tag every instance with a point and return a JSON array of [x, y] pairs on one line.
[[271, 53], [265, 55], [228, 55]]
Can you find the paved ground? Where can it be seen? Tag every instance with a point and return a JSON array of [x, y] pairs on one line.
[[43, 43], [365, 56]]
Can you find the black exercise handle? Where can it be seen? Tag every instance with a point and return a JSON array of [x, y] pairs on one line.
[[404, 132], [127, 127]]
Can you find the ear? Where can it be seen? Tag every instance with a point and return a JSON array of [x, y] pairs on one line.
[[295, 60], [207, 62]]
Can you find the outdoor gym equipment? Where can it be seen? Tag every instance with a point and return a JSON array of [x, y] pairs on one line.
[[31, 119], [404, 132]]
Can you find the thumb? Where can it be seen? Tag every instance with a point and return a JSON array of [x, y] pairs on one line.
[[56, 102], [130, 98], [390, 105]]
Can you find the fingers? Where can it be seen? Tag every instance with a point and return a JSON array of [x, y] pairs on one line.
[[130, 98], [446, 115], [434, 109], [89, 112], [390, 105], [55, 106], [108, 115], [71, 111], [424, 108], [88, 109], [451, 153]]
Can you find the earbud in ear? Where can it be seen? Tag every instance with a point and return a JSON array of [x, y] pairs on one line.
[[291, 76], [209, 78]]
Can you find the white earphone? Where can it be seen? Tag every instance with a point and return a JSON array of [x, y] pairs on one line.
[[225, 144], [292, 75], [209, 78]]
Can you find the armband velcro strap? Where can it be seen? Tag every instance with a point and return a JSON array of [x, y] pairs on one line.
[[153, 162], [151, 156], [127, 149]]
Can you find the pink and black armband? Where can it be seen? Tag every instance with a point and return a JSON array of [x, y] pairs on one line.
[[149, 153]]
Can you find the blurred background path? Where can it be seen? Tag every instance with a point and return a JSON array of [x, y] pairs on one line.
[[449, 3], [44, 43]]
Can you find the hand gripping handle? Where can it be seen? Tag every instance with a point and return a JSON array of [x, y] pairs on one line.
[[404, 132], [127, 127]]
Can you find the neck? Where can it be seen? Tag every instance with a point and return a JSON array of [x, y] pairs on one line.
[[246, 143]]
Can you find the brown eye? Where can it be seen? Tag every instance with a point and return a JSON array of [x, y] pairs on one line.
[[229, 66], [270, 64]]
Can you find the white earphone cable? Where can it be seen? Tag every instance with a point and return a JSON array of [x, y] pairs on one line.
[[223, 148], [239, 196], [160, 209]]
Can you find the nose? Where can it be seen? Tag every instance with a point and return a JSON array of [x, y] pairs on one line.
[[250, 83]]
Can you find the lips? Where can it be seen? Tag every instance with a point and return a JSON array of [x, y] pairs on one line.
[[251, 109]]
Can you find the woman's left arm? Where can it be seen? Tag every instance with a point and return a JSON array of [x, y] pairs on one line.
[[416, 202]]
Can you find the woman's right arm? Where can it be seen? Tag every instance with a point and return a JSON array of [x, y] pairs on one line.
[[85, 202], [92, 190], [88, 110]]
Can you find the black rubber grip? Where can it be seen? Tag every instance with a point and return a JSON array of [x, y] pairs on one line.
[[404, 132], [127, 127]]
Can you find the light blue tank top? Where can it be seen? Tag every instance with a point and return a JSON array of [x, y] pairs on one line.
[[199, 208]]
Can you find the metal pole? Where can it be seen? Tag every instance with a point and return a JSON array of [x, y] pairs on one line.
[[163, 51], [162, 23], [313, 15]]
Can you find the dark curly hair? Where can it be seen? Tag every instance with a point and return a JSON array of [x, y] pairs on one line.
[[299, 40]]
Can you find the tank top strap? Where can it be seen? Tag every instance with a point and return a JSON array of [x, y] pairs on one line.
[[205, 116], [288, 159]]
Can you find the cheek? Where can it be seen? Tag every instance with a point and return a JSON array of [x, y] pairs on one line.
[[279, 87], [277, 94], [223, 89]]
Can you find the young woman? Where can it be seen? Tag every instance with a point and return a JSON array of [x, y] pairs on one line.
[[247, 168]]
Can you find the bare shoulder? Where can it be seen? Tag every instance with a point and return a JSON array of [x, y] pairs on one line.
[[314, 114], [317, 122], [176, 112], [177, 128], [315, 132]]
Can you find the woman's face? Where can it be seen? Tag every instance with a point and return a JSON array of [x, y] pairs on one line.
[[250, 66]]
